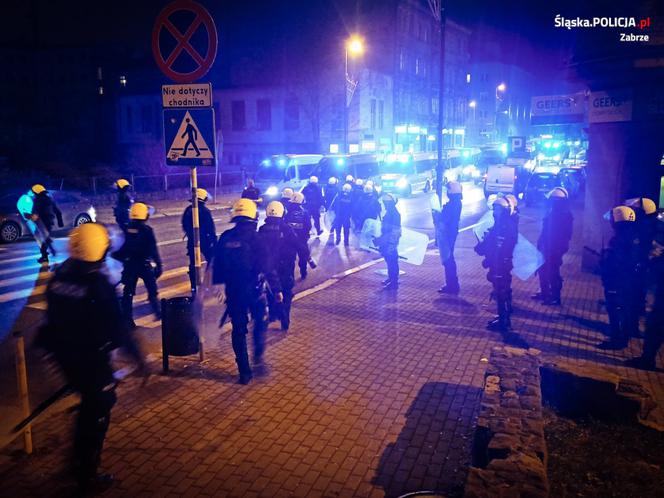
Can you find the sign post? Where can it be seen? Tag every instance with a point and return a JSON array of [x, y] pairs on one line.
[[189, 130]]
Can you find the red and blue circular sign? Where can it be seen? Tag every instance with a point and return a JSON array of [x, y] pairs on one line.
[[174, 47]]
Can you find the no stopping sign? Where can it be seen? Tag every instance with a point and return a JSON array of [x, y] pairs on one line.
[[197, 56]]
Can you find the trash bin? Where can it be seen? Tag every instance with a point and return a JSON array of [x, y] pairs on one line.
[[179, 328]]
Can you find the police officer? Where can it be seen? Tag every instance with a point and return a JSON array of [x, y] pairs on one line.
[[342, 206], [138, 253], [331, 192], [514, 229], [123, 203], [619, 272], [238, 264], [446, 223], [299, 221], [367, 206], [251, 191], [388, 241], [553, 243], [286, 196], [497, 248], [655, 320], [280, 246], [84, 324], [45, 212], [208, 235], [314, 197]]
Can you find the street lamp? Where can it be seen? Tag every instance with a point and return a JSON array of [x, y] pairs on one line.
[[354, 48]]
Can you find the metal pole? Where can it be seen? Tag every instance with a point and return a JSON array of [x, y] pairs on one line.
[[345, 105], [22, 380], [197, 246], [441, 96]]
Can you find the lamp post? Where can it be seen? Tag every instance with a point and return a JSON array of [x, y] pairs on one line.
[[354, 48], [473, 105], [500, 90]]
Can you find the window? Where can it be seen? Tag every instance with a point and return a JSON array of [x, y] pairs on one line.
[[467, 77], [291, 114], [434, 105], [402, 60], [417, 65], [238, 118], [373, 114], [381, 114], [263, 114]]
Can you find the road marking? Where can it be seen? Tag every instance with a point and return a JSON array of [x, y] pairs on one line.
[[25, 278]]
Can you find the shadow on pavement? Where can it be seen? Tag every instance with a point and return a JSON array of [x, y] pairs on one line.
[[433, 450]]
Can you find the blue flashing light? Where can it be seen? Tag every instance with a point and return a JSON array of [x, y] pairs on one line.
[[466, 153], [503, 148], [547, 145], [281, 162], [577, 143], [266, 162], [556, 145], [404, 158], [340, 161]]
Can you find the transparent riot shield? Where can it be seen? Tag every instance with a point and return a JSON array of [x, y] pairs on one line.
[[483, 225], [370, 230], [328, 220], [113, 267], [526, 258], [412, 246]]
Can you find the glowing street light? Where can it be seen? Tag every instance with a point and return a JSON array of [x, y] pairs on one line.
[[354, 48]]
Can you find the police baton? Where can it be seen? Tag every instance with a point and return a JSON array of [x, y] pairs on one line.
[[42, 407]]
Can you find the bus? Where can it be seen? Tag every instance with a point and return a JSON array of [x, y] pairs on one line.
[[406, 173], [285, 170]]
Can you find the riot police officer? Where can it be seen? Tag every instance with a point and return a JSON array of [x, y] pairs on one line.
[[342, 206], [208, 235], [553, 243], [314, 201], [138, 253], [331, 192], [367, 206], [238, 264], [123, 203], [280, 246], [619, 269], [388, 241], [286, 196], [497, 248], [45, 212], [84, 324], [446, 222], [655, 320], [299, 221], [251, 191]]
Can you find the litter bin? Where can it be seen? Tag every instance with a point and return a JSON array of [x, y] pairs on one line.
[[179, 328]]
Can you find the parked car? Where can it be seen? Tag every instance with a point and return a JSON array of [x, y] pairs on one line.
[[573, 179], [540, 184], [76, 210]]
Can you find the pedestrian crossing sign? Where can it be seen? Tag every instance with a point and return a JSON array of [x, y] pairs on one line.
[[189, 137]]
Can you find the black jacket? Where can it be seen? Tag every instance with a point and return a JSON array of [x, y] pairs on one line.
[[83, 318], [619, 264], [390, 231], [342, 206], [556, 234], [279, 246], [498, 247], [122, 207], [208, 233], [366, 206], [238, 261], [313, 196], [329, 194], [140, 245], [298, 220], [253, 193], [44, 207], [446, 222]]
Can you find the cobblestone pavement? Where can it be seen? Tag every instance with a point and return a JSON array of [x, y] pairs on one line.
[[370, 393]]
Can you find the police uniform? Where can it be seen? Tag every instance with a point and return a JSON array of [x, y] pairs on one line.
[[251, 192], [329, 194], [553, 243], [342, 208], [208, 237], [84, 324], [314, 201], [446, 223], [138, 253], [121, 209], [280, 246], [297, 218], [497, 248], [47, 211], [388, 241], [238, 265], [366, 207]]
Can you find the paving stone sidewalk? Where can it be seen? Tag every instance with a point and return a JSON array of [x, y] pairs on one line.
[[371, 393]]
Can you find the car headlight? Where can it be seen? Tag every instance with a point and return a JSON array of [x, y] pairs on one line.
[[402, 183], [272, 191]]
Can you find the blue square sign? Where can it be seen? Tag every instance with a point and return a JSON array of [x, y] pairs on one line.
[[189, 137]]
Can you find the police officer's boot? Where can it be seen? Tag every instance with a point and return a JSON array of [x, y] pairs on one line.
[[156, 306], [44, 253], [128, 310]]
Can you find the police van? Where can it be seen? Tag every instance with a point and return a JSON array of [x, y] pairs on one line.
[[285, 170], [363, 166], [406, 173]]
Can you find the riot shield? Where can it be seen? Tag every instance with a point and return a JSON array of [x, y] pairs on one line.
[[526, 258], [370, 230], [328, 220], [113, 267], [482, 226], [412, 246]]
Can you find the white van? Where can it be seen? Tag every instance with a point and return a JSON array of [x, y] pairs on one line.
[[286, 170], [499, 179]]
